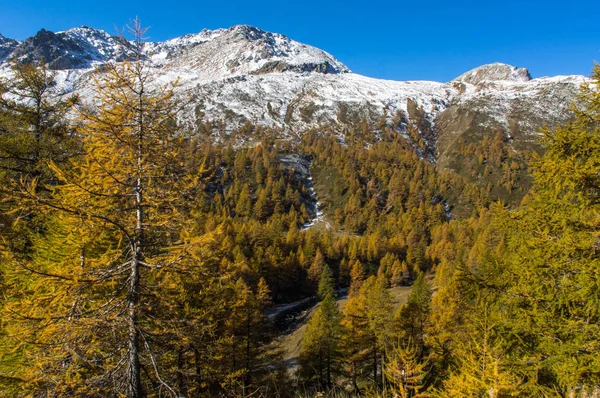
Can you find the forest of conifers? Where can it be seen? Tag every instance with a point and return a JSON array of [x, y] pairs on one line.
[[142, 259]]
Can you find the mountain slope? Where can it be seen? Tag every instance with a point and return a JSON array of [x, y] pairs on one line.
[[244, 74]]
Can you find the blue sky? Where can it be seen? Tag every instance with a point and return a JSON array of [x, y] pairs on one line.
[[416, 40]]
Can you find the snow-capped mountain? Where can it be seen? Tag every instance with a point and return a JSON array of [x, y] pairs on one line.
[[241, 50], [495, 72], [245, 74], [78, 48], [221, 53]]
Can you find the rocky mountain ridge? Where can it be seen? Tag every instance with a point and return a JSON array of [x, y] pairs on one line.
[[246, 74]]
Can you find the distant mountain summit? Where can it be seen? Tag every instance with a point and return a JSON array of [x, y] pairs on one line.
[[495, 72], [245, 74], [239, 50], [78, 48]]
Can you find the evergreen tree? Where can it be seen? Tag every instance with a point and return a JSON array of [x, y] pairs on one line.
[[320, 345], [414, 315], [326, 283], [367, 326], [405, 371]]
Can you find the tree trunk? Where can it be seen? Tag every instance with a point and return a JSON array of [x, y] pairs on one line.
[[328, 369], [198, 375], [321, 378], [375, 368], [383, 377], [233, 356], [354, 384], [180, 373], [37, 133], [135, 384], [248, 333]]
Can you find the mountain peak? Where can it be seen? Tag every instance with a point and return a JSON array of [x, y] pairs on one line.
[[495, 72], [84, 30], [220, 53], [246, 28], [242, 50], [76, 48], [4, 39]]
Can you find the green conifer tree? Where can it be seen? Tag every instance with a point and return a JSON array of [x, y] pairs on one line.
[[320, 345]]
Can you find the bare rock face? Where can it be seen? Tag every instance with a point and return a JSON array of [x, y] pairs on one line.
[[7, 46], [495, 72], [77, 48]]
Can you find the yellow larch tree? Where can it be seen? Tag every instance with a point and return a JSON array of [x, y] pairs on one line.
[[86, 311]]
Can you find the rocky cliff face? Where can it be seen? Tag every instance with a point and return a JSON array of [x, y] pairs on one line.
[[244, 74], [78, 48], [7, 47]]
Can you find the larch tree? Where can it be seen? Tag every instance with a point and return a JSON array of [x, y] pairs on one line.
[[519, 309], [248, 326], [33, 132], [320, 345], [33, 125], [367, 324], [358, 274], [485, 361], [552, 256], [413, 317], [315, 269], [83, 310], [405, 371]]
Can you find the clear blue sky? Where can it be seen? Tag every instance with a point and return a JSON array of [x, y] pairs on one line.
[[428, 40]]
